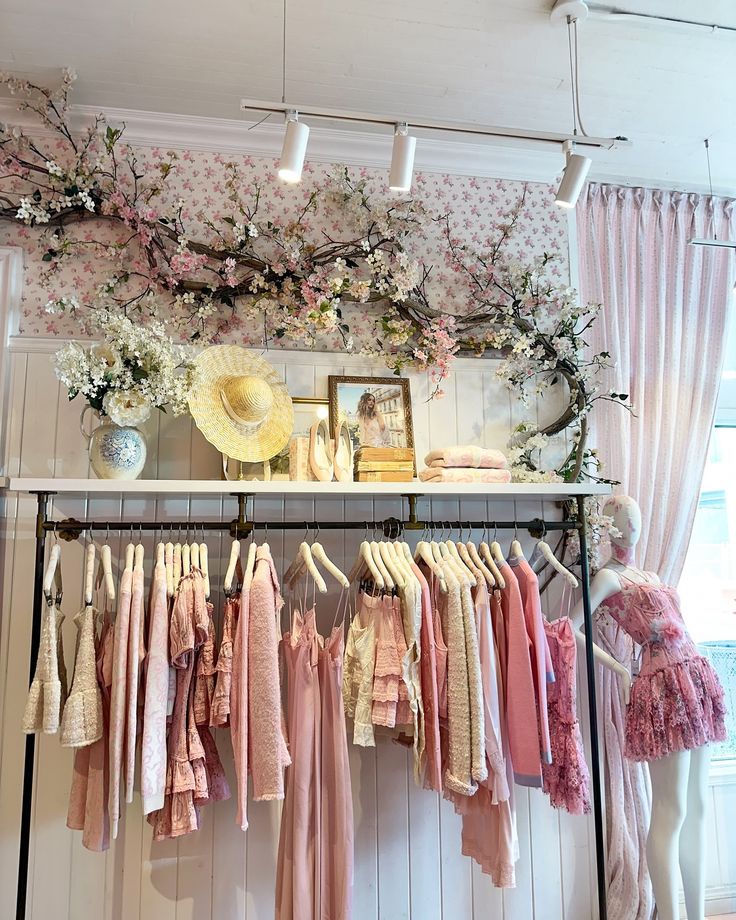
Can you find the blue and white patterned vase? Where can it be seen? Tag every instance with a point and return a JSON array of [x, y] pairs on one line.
[[116, 452]]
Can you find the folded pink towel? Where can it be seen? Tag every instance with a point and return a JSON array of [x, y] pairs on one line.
[[468, 456], [458, 474]]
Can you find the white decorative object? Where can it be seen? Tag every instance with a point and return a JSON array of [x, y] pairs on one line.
[[116, 452]]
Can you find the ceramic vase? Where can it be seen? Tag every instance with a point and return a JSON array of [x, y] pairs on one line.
[[116, 452]]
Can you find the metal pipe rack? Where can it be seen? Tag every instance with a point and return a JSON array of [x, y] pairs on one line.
[[391, 527]]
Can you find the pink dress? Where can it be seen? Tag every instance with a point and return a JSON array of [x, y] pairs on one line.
[[178, 816], [118, 695], [153, 748], [387, 668], [677, 701], [430, 690], [314, 875], [566, 779], [220, 714], [488, 819], [88, 811]]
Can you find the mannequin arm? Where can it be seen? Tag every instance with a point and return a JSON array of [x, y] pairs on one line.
[[603, 586]]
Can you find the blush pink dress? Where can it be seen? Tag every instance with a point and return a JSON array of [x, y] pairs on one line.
[[677, 702], [566, 779], [314, 875], [88, 810]]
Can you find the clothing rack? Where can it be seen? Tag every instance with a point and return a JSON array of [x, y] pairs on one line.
[[391, 527]]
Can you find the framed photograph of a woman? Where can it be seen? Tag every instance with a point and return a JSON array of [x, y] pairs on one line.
[[376, 409]]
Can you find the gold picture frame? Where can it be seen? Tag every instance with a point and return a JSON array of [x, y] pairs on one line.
[[394, 426]]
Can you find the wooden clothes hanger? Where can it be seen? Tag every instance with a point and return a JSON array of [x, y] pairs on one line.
[[424, 554], [471, 557], [89, 573], [365, 564], [544, 550], [318, 552], [231, 567], [106, 572]]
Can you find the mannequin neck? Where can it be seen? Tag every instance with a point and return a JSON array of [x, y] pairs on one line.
[[623, 554]]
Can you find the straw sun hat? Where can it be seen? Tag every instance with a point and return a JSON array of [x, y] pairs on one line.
[[240, 404]]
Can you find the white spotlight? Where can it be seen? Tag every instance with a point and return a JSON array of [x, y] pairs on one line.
[[294, 149], [402, 159], [573, 178]]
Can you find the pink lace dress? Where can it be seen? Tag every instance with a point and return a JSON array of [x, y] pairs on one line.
[[566, 779], [677, 701]]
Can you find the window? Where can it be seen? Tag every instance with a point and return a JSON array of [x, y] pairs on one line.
[[708, 583]]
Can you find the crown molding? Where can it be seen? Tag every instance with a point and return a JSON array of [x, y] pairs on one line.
[[498, 160]]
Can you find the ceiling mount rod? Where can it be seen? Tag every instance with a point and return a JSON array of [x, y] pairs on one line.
[[518, 134]]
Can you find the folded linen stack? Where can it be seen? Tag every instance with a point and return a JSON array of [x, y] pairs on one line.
[[465, 463]]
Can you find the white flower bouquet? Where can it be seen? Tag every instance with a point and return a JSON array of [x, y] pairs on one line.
[[137, 368]]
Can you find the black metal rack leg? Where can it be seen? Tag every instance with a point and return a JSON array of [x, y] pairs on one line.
[[30, 751], [595, 755]]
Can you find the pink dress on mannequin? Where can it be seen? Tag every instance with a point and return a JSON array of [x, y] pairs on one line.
[[677, 701]]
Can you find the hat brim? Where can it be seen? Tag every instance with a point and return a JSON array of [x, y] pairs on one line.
[[250, 443]]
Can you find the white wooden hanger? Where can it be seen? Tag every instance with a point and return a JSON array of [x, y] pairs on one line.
[[160, 554], [318, 552], [204, 565], [138, 557], [106, 569], [297, 562], [484, 552], [424, 553], [474, 559], [169, 563], [186, 559], [231, 566], [459, 563], [364, 562], [381, 566], [53, 587], [194, 553], [129, 555], [546, 552], [250, 559], [516, 550], [388, 555], [89, 574], [308, 566]]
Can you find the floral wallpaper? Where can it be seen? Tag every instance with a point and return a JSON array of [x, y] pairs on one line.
[[199, 183]]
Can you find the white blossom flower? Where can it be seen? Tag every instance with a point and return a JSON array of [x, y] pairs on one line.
[[126, 407]]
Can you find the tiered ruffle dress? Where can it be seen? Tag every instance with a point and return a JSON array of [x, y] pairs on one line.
[[677, 701]]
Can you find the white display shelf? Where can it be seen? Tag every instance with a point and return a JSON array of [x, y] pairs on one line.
[[167, 487]]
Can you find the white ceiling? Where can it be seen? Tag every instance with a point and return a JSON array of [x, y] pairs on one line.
[[665, 86]]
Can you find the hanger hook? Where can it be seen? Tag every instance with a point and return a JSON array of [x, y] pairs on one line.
[[495, 531], [516, 529]]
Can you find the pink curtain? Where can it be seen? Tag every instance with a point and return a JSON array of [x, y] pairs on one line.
[[664, 323]]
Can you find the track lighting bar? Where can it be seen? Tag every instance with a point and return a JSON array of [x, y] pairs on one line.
[[451, 127]]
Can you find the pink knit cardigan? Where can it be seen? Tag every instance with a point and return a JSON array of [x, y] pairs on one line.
[[269, 754], [521, 707]]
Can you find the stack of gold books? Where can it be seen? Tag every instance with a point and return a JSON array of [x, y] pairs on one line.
[[384, 464]]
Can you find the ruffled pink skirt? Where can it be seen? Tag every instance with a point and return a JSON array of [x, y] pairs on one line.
[[675, 708], [566, 780]]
